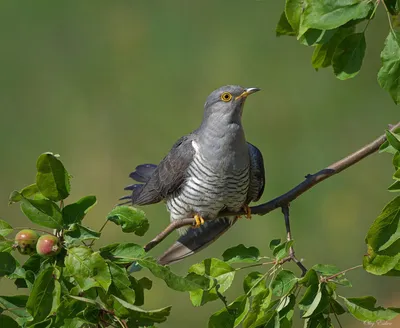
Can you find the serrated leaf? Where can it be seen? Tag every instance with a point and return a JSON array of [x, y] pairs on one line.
[[254, 283], [130, 219], [259, 305], [293, 11], [282, 250], [232, 315], [385, 231], [78, 233], [8, 322], [52, 178], [241, 254], [43, 212], [8, 264], [380, 264], [388, 75], [283, 283], [16, 305], [30, 192], [87, 268], [138, 315], [348, 56], [330, 14], [219, 272], [363, 309], [75, 212], [5, 228], [323, 53], [124, 253], [121, 285], [40, 300], [320, 302], [283, 27]]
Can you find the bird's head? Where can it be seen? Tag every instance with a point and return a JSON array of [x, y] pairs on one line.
[[226, 103]]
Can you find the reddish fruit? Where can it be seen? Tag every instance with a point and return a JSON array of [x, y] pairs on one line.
[[48, 245], [25, 241]]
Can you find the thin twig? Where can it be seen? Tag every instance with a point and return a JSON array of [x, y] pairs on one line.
[[101, 229], [389, 18], [341, 272], [310, 181]]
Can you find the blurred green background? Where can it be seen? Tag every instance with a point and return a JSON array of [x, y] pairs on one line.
[[112, 84]]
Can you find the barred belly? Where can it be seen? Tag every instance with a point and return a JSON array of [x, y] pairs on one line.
[[207, 192]]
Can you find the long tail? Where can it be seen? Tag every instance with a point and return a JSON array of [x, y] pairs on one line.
[[196, 239]]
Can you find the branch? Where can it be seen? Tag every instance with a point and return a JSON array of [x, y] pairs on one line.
[[284, 200]]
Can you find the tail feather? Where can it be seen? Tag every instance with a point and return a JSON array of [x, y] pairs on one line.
[[196, 239]]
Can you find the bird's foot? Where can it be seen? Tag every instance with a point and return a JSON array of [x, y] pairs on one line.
[[247, 210], [199, 221]]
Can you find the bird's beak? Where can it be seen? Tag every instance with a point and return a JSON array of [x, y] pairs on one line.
[[247, 92]]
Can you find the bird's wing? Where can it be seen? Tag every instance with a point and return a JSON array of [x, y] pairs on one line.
[[257, 174], [168, 176]]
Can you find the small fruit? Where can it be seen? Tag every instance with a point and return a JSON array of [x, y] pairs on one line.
[[48, 245], [25, 241]]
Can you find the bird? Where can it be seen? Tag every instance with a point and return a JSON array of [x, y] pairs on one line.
[[210, 170]]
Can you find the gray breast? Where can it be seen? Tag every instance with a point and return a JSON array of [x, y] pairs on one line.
[[207, 192]]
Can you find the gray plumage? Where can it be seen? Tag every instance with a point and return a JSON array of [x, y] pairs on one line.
[[208, 171]]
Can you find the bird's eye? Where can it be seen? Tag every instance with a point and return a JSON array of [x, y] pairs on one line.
[[226, 96]]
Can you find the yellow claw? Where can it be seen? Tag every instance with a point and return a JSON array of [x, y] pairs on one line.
[[247, 210], [199, 221]]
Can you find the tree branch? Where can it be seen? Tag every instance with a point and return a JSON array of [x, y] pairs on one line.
[[284, 200]]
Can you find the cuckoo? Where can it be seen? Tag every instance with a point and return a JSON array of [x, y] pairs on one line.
[[206, 172]]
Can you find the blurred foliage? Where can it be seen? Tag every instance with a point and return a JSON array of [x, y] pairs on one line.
[[113, 85]]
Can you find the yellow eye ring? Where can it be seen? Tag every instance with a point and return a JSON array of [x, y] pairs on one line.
[[226, 96]]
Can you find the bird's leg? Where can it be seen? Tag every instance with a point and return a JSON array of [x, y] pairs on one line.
[[199, 221], [247, 210]]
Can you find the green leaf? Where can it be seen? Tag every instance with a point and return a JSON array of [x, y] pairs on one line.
[[294, 10], [30, 192], [259, 305], [329, 14], [52, 178], [363, 309], [337, 307], [385, 231], [241, 253], [43, 212], [393, 140], [320, 302], [75, 212], [274, 243], [284, 27], [348, 56], [56, 297], [380, 264], [6, 321], [283, 283], [323, 53], [16, 305], [218, 271], [6, 245], [310, 278], [313, 36], [40, 301], [394, 187], [125, 253], [69, 308], [393, 6], [232, 315], [138, 315], [5, 228], [8, 264], [121, 285], [282, 250], [87, 268], [388, 75], [326, 269], [130, 219], [254, 283], [139, 286], [78, 233]]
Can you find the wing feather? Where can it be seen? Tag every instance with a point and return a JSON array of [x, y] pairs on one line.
[[257, 174]]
